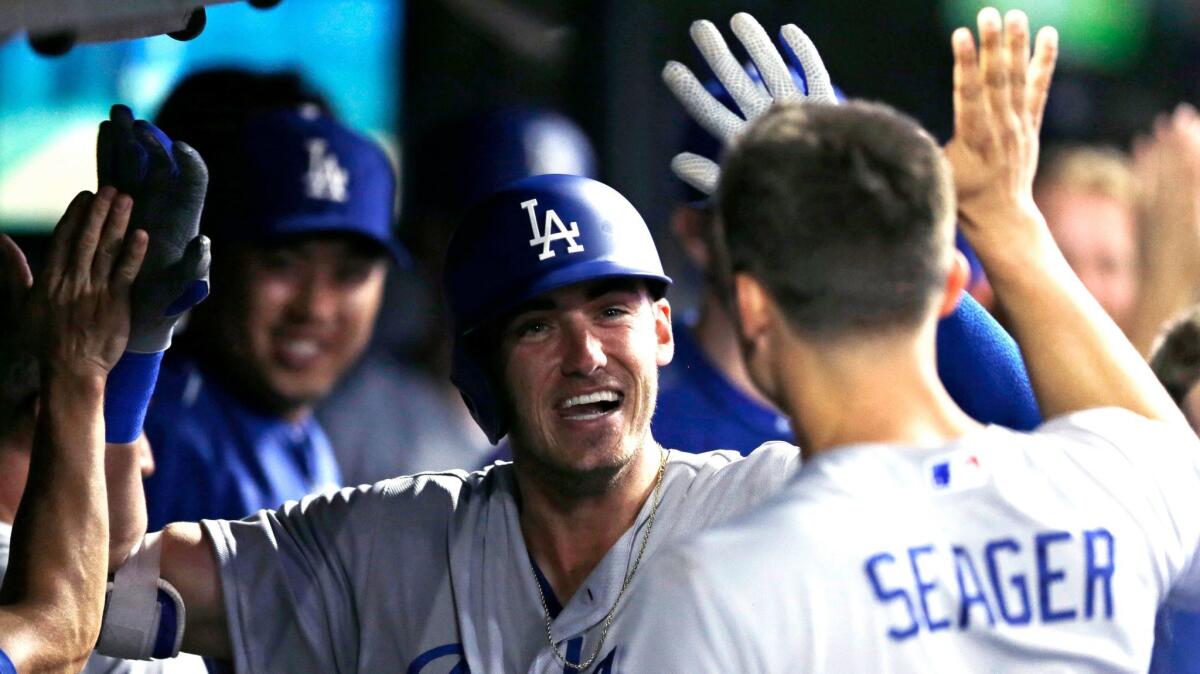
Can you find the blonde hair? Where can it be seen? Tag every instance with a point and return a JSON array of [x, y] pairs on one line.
[[1104, 171]]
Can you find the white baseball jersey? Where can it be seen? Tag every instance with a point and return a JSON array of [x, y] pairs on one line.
[[429, 574], [1001, 551]]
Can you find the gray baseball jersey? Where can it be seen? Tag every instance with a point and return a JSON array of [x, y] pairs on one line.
[[1001, 551], [429, 574]]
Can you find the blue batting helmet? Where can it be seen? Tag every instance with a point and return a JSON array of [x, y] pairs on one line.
[[534, 236]]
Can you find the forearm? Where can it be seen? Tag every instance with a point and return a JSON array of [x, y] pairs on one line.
[[190, 565], [126, 499], [1161, 297], [1077, 356], [58, 559], [28, 636]]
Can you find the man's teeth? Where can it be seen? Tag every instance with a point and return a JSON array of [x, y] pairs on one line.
[[302, 348], [590, 398]]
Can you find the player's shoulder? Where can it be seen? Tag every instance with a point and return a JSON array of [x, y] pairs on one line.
[[1121, 431], [713, 486], [1115, 422], [449, 488], [412, 503], [770, 457]]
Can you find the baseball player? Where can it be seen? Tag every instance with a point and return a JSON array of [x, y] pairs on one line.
[[561, 324], [449, 168], [915, 539], [301, 209], [706, 399], [79, 309]]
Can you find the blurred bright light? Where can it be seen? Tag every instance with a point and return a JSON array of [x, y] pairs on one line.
[[49, 108], [1101, 34]]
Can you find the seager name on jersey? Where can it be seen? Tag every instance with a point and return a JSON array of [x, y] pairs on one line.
[[1052, 577]]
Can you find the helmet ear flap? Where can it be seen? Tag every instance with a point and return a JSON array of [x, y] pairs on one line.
[[470, 374]]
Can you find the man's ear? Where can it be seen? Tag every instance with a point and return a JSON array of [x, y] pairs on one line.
[[956, 282], [688, 225], [753, 306], [662, 328]]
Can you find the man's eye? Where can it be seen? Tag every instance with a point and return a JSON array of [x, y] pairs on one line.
[[279, 261], [613, 312], [532, 328]]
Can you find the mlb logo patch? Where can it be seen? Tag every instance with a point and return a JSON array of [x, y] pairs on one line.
[[955, 471]]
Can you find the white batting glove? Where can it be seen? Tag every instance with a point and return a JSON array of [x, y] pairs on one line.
[[751, 98]]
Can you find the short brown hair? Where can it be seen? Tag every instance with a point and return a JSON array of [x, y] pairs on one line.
[[1175, 357], [844, 212]]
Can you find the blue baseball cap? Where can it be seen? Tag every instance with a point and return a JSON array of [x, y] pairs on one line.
[[302, 172]]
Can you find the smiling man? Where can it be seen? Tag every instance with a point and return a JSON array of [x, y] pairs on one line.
[[560, 325], [300, 212], [915, 539]]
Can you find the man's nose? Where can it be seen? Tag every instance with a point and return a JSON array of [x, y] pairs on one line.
[[318, 298], [583, 352]]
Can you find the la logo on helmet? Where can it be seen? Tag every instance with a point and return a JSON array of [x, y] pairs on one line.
[[326, 179], [554, 230]]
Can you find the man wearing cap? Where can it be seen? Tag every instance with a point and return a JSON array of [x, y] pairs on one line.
[[560, 325], [706, 396], [299, 210], [451, 166]]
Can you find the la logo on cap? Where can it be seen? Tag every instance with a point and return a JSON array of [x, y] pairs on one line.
[[554, 230], [325, 179]]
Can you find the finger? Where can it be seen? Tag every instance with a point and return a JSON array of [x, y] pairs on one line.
[[1016, 35], [133, 252], [191, 274], [63, 238], [749, 98], [129, 159], [15, 278], [766, 57], [701, 105], [970, 112], [16, 267], [161, 166], [700, 172], [112, 238], [1041, 73], [992, 60], [193, 173], [104, 154], [804, 56], [87, 239]]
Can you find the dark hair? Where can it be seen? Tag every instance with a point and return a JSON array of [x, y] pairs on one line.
[[1175, 358], [843, 212], [209, 110], [208, 104]]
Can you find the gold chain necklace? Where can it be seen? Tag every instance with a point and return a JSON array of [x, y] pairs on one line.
[[612, 612]]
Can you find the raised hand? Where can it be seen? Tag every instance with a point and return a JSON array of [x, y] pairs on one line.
[[167, 181], [80, 303], [751, 98], [999, 99], [1167, 166]]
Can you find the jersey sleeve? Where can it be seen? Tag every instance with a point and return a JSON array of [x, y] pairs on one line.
[[982, 369], [720, 485], [292, 578], [1155, 469]]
